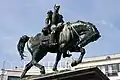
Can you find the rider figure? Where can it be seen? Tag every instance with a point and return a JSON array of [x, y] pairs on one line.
[[56, 19], [52, 21]]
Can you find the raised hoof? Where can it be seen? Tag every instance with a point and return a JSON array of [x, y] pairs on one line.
[[74, 63], [55, 70], [42, 72]]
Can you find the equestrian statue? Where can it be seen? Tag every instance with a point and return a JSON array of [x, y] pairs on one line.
[[57, 37]]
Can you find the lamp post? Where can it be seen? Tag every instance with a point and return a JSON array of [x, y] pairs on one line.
[[3, 71]]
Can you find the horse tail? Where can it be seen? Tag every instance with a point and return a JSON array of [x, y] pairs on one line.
[[21, 45]]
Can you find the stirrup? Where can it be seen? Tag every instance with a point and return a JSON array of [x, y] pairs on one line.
[[66, 55]]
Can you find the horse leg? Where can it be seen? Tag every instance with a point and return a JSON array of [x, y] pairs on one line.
[[27, 67], [82, 50], [41, 67], [58, 57], [37, 56]]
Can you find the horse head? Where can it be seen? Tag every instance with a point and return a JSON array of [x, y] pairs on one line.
[[84, 32]]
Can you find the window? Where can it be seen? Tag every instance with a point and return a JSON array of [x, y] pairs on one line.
[[111, 70], [13, 78], [118, 66], [114, 68]]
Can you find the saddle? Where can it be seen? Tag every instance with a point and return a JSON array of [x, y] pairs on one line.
[[41, 40]]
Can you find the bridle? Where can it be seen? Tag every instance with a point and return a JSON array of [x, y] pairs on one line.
[[73, 29]]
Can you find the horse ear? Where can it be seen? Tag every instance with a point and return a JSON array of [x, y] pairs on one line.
[[68, 23], [78, 21]]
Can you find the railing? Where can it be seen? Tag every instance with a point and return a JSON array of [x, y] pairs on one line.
[[21, 65]]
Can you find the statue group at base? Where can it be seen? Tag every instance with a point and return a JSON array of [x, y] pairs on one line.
[[58, 37]]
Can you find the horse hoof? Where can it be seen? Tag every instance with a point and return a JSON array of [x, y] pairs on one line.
[[80, 61], [42, 72], [73, 63], [21, 78], [54, 69]]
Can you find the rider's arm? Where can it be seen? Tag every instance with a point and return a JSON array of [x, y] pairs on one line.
[[62, 19], [47, 19]]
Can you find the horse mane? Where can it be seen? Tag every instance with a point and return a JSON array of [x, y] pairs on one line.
[[78, 22], [37, 35]]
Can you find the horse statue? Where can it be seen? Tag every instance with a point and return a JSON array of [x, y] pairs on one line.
[[72, 37]]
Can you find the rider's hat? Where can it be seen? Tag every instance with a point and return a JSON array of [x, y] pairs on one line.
[[56, 5], [49, 12]]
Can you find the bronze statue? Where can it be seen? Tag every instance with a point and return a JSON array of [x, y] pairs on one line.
[[52, 20], [68, 39]]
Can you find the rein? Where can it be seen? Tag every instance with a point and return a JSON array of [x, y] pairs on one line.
[[75, 32]]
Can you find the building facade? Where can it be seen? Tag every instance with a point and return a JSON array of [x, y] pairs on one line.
[[10, 74], [108, 64]]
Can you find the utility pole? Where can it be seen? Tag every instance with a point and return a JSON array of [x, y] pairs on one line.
[[3, 71]]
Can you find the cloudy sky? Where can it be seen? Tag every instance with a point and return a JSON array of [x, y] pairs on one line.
[[19, 17]]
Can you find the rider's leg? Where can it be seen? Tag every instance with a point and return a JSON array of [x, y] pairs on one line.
[[53, 35], [53, 39]]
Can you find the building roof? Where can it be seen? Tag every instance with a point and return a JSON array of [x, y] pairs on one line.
[[12, 72], [97, 58]]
